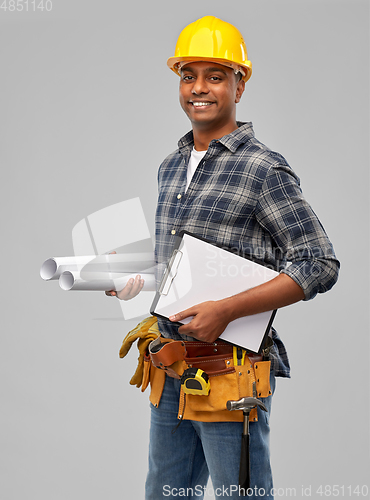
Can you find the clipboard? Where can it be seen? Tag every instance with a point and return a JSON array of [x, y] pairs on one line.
[[199, 270]]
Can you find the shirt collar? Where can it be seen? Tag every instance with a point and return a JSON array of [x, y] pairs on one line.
[[232, 141]]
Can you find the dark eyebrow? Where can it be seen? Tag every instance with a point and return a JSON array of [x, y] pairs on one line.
[[208, 70]]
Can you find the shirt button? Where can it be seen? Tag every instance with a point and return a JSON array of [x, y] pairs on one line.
[[179, 196], [173, 231]]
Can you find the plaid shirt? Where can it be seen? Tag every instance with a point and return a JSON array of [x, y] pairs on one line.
[[244, 197]]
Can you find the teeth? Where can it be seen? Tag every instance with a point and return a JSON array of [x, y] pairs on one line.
[[199, 104]]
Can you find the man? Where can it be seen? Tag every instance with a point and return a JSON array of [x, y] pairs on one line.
[[224, 185]]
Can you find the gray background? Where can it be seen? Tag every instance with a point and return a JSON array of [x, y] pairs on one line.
[[88, 111]]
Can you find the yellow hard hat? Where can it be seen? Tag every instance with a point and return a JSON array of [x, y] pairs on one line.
[[211, 39]]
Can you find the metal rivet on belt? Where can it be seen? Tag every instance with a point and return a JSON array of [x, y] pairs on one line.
[[248, 371], [227, 362], [160, 364], [256, 367], [215, 350], [240, 373], [259, 393]]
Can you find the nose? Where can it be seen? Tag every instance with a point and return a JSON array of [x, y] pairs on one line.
[[200, 86]]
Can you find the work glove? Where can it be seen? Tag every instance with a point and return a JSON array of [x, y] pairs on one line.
[[144, 333]]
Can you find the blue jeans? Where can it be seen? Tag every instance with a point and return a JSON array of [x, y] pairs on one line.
[[180, 462]]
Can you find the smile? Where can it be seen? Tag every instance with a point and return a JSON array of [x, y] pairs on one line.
[[200, 104]]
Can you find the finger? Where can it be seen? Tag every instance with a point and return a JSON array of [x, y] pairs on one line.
[[125, 292], [135, 288], [138, 285], [186, 329], [131, 289], [183, 314]]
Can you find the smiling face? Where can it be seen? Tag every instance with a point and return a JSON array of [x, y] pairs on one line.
[[208, 95]]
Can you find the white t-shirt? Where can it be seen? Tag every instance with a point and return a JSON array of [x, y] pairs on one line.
[[195, 159]]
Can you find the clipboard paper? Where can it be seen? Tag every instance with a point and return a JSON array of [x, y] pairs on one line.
[[199, 271]]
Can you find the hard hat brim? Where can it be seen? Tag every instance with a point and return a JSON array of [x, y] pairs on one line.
[[172, 63]]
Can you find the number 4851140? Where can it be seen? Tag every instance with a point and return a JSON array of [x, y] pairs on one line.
[[343, 491], [26, 5]]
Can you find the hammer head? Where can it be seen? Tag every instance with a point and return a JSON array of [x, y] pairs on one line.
[[245, 404]]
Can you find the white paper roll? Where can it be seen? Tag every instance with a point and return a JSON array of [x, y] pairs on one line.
[[52, 268], [71, 280]]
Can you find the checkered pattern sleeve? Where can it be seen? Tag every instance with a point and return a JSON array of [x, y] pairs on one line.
[[297, 232]]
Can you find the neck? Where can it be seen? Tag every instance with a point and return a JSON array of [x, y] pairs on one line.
[[202, 137]]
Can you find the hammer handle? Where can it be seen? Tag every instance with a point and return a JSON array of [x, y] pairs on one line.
[[244, 471]]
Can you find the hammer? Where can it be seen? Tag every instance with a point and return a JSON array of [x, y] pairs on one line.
[[245, 404]]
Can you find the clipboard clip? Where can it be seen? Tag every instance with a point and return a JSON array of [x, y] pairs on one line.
[[171, 271]]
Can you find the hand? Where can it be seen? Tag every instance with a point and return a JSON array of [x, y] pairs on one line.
[[132, 288], [209, 320]]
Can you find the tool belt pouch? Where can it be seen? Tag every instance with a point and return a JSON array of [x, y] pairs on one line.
[[156, 378], [227, 382], [146, 373], [164, 356]]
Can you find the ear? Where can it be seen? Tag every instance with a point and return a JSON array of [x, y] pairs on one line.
[[239, 90]]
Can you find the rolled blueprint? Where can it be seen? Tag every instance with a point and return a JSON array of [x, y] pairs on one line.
[[52, 268], [71, 280]]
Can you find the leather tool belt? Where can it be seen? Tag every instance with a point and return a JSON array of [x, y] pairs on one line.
[[211, 358], [229, 380]]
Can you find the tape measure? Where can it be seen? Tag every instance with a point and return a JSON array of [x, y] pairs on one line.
[[238, 355], [195, 381]]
